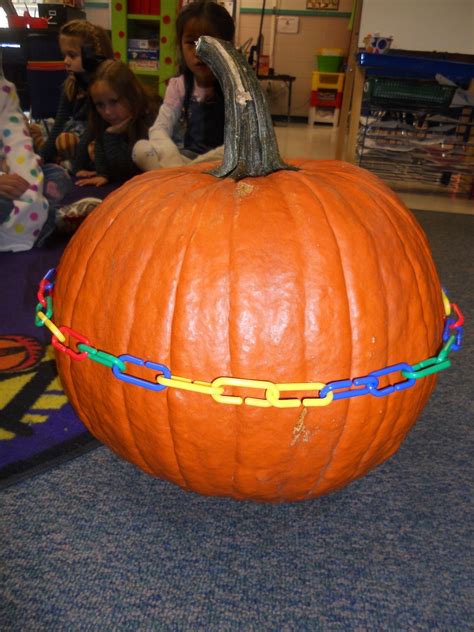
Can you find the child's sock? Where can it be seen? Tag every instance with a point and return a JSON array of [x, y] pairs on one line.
[[145, 156], [68, 218]]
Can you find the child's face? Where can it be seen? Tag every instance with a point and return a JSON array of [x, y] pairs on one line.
[[112, 108], [71, 51], [193, 30]]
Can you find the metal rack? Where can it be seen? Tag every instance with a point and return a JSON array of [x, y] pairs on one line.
[[411, 137], [403, 125]]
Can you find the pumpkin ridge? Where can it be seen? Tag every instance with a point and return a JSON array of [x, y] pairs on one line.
[[284, 192], [375, 194], [196, 210], [173, 298], [428, 384], [301, 256], [310, 184], [124, 386], [368, 454], [306, 180], [416, 274], [132, 444], [129, 337], [364, 456], [234, 274], [200, 204], [238, 417], [70, 322], [371, 449]]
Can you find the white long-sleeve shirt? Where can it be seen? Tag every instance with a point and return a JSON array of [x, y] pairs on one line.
[[161, 132]]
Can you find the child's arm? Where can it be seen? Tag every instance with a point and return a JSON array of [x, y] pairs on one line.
[[98, 179], [12, 186], [23, 182], [100, 165], [81, 160], [48, 151], [112, 159]]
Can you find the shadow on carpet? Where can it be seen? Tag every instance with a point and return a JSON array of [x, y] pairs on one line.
[[38, 427]]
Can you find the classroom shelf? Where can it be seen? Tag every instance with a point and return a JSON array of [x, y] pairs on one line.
[[143, 17], [146, 72], [412, 130], [126, 26]]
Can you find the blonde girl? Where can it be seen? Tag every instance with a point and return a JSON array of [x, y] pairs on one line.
[[83, 46]]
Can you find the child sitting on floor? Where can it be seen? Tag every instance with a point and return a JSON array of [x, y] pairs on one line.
[[28, 194], [121, 113], [83, 46], [194, 98]]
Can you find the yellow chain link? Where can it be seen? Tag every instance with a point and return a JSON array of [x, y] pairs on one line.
[[220, 382], [272, 393], [446, 303], [189, 385], [51, 326], [294, 402]]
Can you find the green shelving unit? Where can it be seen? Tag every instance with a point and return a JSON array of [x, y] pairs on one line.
[[161, 27]]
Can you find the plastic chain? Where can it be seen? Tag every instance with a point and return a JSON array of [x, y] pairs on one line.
[[322, 394]]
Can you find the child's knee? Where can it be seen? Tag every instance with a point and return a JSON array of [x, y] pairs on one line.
[[57, 183], [66, 144], [141, 149], [37, 136]]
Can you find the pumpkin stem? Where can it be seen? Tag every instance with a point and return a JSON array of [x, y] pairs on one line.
[[250, 146]]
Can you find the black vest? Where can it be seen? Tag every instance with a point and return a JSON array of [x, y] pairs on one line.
[[204, 120]]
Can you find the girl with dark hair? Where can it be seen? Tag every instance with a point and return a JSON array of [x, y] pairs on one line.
[[194, 99], [120, 114]]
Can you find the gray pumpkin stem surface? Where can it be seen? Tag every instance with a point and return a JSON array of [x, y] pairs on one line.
[[250, 146]]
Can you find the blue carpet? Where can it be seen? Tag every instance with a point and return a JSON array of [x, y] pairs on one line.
[[95, 544]]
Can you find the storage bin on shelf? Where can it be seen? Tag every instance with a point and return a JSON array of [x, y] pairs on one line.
[[329, 59], [326, 97], [408, 92], [329, 80]]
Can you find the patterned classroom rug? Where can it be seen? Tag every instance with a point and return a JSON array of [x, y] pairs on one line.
[[38, 427]]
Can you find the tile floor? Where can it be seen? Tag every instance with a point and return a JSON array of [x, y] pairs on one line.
[[319, 142]]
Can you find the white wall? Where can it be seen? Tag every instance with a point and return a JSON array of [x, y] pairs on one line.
[[421, 25], [294, 53], [99, 16]]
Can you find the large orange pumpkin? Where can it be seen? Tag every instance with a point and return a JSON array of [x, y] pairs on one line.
[[301, 276]]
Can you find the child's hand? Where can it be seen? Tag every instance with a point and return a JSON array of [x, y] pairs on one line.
[[120, 127], [12, 186], [86, 174], [96, 181]]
